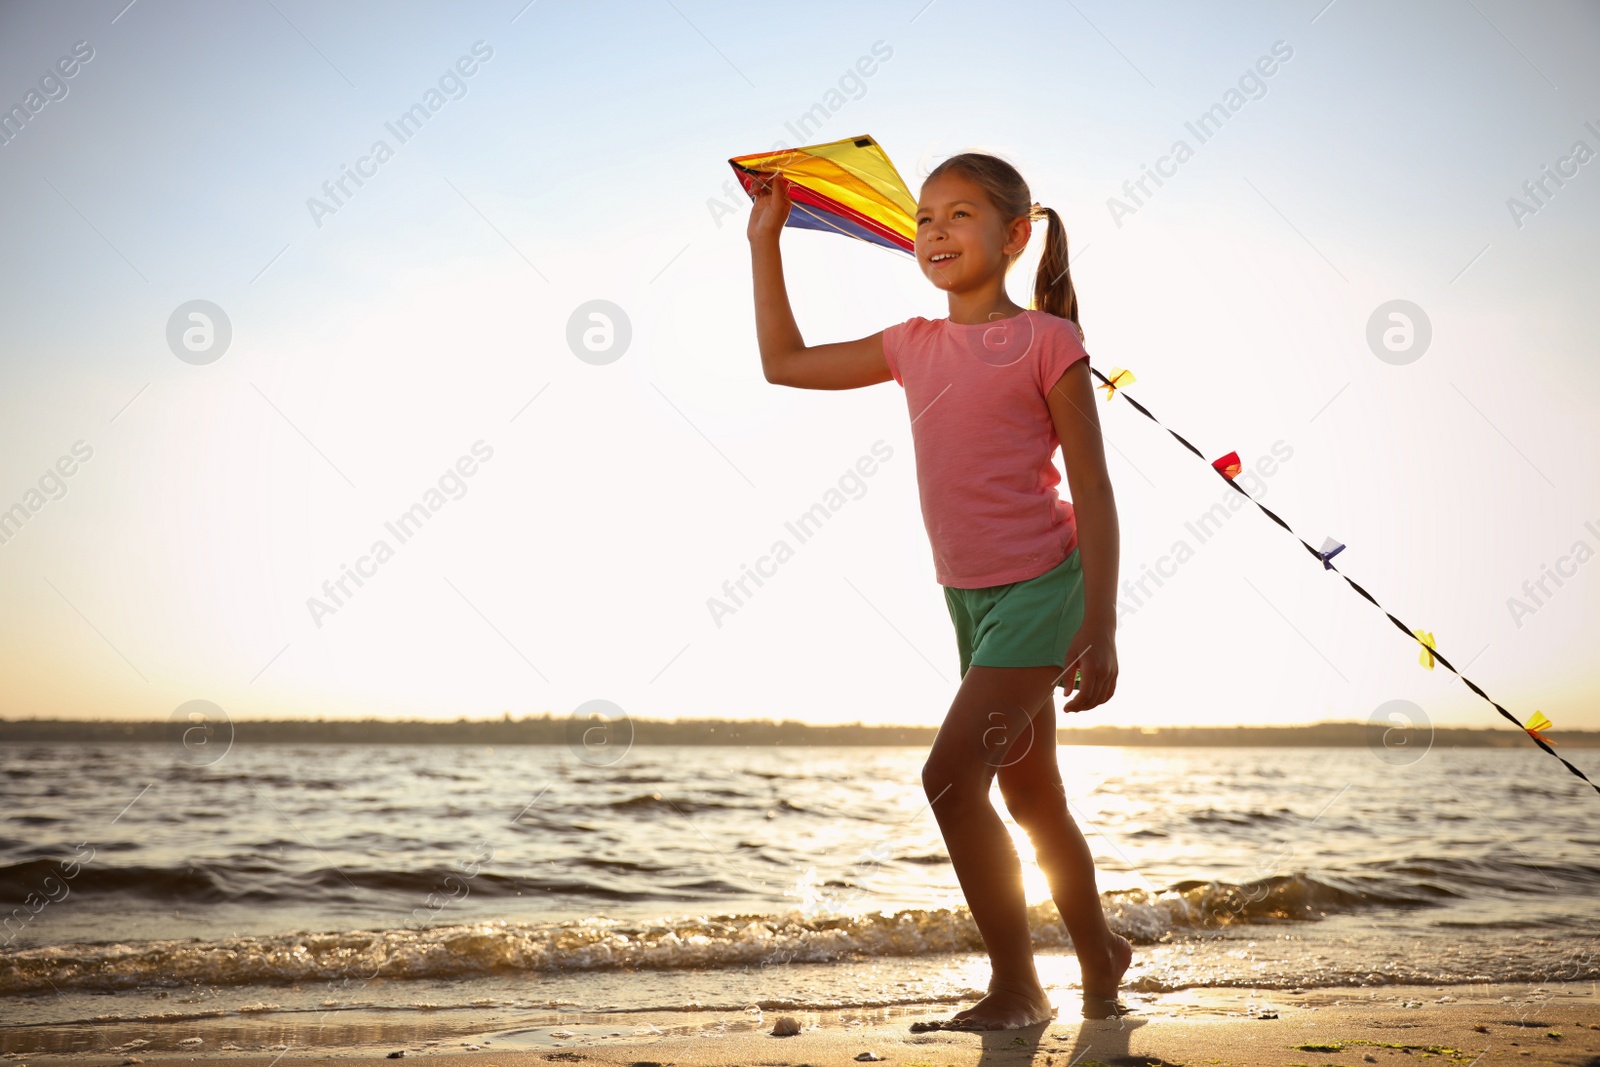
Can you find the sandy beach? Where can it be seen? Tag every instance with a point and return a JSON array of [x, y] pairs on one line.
[[1553, 1024]]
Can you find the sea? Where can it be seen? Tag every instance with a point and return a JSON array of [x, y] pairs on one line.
[[277, 896]]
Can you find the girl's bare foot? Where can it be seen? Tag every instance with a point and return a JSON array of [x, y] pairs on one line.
[[1005, 1008], [1103, 970]]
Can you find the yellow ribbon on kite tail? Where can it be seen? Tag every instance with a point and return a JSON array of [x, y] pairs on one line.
[[1118, 379], [1537, 725], [1427, 647]]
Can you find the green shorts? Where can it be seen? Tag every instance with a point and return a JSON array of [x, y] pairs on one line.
[[1023, 624]]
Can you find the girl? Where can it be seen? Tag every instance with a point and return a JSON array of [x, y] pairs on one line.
[[992, 390]]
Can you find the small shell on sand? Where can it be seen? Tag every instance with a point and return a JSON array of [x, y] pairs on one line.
[[868, 1057], [786, 1026]]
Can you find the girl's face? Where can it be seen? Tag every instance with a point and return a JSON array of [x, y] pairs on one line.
[[961, 238]]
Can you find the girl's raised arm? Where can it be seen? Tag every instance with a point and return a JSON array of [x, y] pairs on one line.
[[785, 359]]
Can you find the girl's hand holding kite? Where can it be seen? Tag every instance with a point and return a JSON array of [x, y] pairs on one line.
[[771, 208]]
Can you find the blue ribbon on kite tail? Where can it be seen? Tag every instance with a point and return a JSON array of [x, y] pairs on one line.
[[1328, 565]]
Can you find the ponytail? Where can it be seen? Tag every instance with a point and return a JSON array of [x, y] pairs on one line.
[[1052, 283]]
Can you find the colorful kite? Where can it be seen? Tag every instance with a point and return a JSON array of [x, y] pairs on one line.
[[850, 187], [847, 187]]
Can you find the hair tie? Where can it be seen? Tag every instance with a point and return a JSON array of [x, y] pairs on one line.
[[1037, 211]]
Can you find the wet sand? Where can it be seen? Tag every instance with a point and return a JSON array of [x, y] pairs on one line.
[[1484, 1024]]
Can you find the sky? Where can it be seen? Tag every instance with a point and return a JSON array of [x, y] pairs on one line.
[[190, 485]]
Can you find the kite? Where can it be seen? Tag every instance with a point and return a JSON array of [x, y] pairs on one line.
[[850, 187], [1118, 379], [846, 187]]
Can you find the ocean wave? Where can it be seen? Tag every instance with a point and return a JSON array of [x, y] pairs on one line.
[[487, 948], [748, 940], [1498, 874], [1252, 818], [255, 882], [650, 803], [255, 879], [1197, 906]]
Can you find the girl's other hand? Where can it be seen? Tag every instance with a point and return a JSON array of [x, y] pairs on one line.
[[1094, 653], [771, 207]]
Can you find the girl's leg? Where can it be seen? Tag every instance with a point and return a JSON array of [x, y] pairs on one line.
[[990, 723], [1037, 800]]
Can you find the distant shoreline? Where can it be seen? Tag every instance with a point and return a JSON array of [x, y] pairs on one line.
[[552, 730]]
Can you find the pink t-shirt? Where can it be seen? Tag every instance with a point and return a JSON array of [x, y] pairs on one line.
[[984, 440]]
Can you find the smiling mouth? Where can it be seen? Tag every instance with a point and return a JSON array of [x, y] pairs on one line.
[[942, 257]]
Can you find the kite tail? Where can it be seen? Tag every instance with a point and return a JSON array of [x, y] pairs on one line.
[[1408, 631]]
